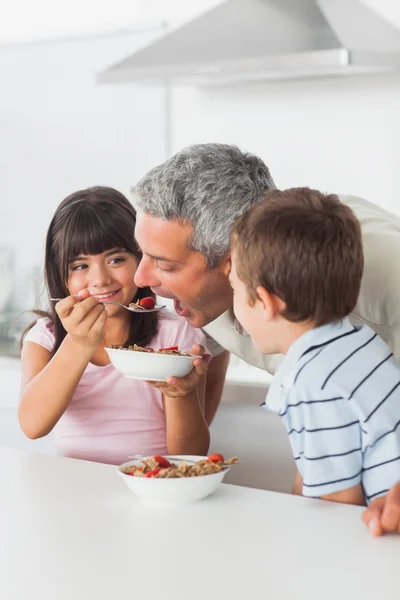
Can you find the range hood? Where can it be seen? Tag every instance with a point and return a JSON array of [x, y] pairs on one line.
[[245, 40]]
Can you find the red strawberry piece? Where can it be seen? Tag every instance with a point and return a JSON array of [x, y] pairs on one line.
[[215, 457], [170, 348], [153, 473], [163, 462], [148, 303]]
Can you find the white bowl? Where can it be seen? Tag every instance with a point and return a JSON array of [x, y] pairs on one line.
[[150, 366], [183, 490]]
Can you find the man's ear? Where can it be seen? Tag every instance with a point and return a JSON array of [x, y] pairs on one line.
[[226, 264], [273, 306]]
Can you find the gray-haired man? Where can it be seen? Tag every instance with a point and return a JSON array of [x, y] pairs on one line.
[[186, 208]]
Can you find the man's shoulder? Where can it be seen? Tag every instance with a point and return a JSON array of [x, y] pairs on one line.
[[373, 218], [379, 299]]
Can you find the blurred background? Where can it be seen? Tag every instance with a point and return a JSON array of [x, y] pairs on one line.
[[61, 129], [69, 119]]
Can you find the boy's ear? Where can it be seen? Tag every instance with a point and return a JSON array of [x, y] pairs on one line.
[[272, 304]]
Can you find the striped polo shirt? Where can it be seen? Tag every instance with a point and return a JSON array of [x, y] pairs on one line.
[[338, 393]]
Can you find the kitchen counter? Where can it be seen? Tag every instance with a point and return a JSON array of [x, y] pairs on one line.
[[71, 529]]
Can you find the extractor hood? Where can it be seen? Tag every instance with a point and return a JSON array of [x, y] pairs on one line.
[[245, 40]]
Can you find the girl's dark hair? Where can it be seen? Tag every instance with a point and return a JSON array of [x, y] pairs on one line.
[[92, 221]]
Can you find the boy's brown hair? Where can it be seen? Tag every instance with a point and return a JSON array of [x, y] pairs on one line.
[[304, 247]]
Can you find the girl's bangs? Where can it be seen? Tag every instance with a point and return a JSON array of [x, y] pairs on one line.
[[93, 232]]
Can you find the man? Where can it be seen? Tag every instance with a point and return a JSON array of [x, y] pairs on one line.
[[186, 209]]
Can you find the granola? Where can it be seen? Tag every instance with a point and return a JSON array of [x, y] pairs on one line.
[[161, 468], [174, 351]]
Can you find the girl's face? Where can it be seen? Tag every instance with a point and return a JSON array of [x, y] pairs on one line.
[[108, 276]]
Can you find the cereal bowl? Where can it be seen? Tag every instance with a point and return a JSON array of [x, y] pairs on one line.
[[182, 490], [150, 366]]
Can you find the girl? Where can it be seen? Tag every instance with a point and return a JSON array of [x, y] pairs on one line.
[[68, 382]]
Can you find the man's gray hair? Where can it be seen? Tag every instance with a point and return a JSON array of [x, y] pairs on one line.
[[209, 186]]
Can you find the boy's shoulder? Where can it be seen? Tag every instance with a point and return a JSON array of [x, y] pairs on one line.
[[346, 366]]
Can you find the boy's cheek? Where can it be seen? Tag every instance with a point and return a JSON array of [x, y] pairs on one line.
[[241, 311]]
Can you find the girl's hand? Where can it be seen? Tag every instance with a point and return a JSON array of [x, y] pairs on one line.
[[84, 318], [178, 387]]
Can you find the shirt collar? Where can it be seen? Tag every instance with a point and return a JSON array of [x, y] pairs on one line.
[[313, 338]]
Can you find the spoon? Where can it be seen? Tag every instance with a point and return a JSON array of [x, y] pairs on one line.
[[138, 310], [140, 456]]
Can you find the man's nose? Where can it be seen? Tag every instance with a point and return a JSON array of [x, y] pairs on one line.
[[145, 275]]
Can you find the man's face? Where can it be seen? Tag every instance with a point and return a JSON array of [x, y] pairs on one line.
[[174, 271]]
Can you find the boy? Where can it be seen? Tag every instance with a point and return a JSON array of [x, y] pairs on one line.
[[297, 263]]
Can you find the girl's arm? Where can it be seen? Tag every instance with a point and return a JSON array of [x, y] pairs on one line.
[[187, 431], [48, 384]]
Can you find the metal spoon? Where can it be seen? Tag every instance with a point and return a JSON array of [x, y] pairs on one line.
[[141, 456], [138, 310]]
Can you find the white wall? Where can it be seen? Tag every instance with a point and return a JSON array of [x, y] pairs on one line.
[[339, 135], [44, 19], [60, 131]]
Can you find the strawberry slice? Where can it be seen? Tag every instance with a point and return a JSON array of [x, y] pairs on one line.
[[215, 457], [153, 473], [148, 303], [170, 348], [163, 462]]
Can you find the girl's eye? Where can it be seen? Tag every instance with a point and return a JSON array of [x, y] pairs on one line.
[[78, 267], [117, 259]]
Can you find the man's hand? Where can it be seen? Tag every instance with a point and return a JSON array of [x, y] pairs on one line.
[[177, 387], [383, 514]]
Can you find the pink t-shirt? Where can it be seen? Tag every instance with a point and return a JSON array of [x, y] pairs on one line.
[[110, 416]]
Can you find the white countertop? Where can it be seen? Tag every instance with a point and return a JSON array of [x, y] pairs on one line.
[[71, 530]]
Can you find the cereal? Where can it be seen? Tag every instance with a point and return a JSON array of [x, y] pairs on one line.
[[137, 348], [154, 467]]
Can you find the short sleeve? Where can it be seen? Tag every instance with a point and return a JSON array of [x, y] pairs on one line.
[[42, 333], [325, 436]]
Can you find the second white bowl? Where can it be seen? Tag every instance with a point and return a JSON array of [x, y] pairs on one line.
[[181, 490]]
